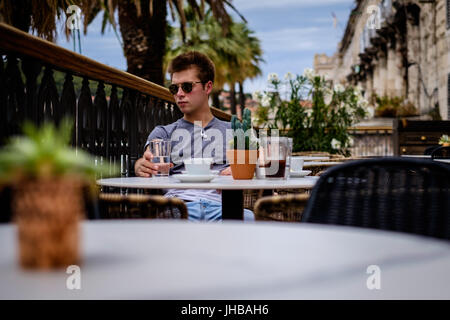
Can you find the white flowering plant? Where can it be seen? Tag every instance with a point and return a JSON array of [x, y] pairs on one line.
[[444, 139], [314, 113]]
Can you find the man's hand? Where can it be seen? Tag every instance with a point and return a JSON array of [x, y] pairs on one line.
[[144, 167], [226, 172]]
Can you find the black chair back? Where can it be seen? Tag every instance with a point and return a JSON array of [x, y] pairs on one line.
[[441, 153], [399, 194], [429, 150]]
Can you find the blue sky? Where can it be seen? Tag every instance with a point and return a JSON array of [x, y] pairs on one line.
[[291, 32]]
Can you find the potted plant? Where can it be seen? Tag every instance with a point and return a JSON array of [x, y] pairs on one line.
[[47, 178], [243, 147], [444, 140]]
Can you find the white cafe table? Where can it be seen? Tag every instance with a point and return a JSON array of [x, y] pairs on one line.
[[232, 190], [419, 156], [426, 156], [150, 259]]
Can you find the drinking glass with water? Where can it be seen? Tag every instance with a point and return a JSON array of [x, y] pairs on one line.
[[160, 150]]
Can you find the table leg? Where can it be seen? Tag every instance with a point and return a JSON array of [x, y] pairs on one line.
[[233, 204]]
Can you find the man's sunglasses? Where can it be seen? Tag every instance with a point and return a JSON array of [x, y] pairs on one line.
[[185, 86]]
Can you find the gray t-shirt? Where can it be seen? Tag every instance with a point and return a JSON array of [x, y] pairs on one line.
[[191, 140]]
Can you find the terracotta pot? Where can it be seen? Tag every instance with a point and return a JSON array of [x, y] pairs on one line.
[[242, 163], [446, 144], [47, 213]]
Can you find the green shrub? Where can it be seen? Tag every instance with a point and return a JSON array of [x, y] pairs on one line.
[[331, 112]]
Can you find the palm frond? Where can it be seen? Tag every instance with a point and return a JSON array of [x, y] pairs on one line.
[[180, 10], [111, 7], [235, 10], [172, 11], [150, 8], [137, 4], [90, 10], [197, 10]]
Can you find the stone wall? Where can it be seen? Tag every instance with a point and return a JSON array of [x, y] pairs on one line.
[[406, 55]]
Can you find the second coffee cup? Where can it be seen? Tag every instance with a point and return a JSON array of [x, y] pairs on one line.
[[297, 164], [198, 166]]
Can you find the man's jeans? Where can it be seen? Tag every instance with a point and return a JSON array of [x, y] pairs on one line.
[[210, 211]]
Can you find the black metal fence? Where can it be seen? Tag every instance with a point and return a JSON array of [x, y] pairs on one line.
[[111, 128]]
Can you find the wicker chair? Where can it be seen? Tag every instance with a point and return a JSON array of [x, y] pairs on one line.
[[430, 149], [318, 169], [287, 208], [311, 153], [400, 194], [250, 198], [138, 206], [281, 192], [441, 153]]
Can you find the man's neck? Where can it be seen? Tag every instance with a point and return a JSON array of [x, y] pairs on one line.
[[204, 115]]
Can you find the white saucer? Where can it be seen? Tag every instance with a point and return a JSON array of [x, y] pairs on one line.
[[302, 173], [212, 172], [194, 177]]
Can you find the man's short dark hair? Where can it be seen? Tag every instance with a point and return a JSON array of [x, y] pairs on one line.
[[184, 61]]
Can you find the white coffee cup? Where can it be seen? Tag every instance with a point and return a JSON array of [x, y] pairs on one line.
[[198, 165], [297, 164]]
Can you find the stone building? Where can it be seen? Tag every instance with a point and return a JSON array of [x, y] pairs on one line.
[[396, 48]]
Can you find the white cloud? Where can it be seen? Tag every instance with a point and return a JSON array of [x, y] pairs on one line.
[[242, 5], [296, 39]]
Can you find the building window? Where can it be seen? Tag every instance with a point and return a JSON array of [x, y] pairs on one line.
[[448, 95], [448, 14]]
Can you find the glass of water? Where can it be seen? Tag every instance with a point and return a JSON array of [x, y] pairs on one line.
[[160, 150]]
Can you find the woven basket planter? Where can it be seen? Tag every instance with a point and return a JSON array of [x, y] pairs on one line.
[[47, 213]]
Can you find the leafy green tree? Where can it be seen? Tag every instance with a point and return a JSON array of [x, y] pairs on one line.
[[237, 56]]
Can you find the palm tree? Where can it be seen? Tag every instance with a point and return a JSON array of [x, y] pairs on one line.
[[143, 27], [237, 56], [247, 65], [142, 24]]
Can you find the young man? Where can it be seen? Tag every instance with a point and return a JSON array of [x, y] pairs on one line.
[[198, 134]]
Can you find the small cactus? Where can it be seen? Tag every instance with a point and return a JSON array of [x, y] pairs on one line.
[[245, 125], [234, 119], [247, 119]]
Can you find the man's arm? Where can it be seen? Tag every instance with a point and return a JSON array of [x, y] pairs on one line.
[[144, 167]]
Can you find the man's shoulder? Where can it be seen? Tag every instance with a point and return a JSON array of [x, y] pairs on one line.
[[222, 124], [171, 126], [164, 131]]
